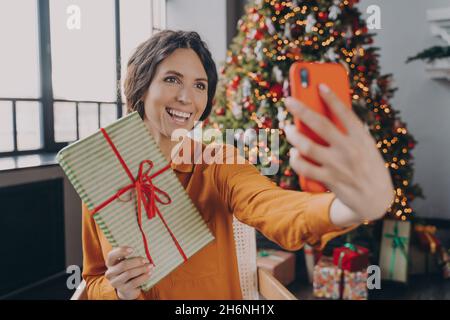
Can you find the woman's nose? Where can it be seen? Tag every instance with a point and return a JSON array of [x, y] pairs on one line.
[[184, 96]]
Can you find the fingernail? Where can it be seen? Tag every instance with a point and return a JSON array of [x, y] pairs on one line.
[[149, 268], [129, 250], [324, 88], [143, 261]]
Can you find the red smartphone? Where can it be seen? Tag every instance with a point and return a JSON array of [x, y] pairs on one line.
[[305, 78]]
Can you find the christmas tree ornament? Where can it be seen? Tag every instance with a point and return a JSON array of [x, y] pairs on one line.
[[236, 110], [287, 31], [334, 12], [277, 74], [246, 88], [276, 91], [310, 23], [332, 55], [259, 51], [270, 26], [220, 111]]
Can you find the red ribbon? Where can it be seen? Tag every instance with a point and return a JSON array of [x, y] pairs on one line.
[[146, 193]]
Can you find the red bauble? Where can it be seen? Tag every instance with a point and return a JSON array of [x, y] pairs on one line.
[[288, 173], [411, 145], [258, 35], [267, 123], [262, 64], [361, 68], [322, 15], [220, 111], [278, 6], [276, 90], [235, 82], [262, 26], [251, 107]]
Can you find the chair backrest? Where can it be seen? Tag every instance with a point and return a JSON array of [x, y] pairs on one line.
[[245, 240]]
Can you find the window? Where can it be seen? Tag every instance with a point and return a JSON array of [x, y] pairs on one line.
[[59, 79]]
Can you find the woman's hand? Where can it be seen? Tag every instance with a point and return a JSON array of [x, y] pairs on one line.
[[351, 167], [127, 275]]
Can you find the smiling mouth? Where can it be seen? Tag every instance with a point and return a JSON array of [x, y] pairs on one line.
[[178, 116]]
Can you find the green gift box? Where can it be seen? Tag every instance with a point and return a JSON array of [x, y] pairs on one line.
[[135, 198], [394, 250]]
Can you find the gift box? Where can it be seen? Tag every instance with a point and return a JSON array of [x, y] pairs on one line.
[[355, 285], [327, 279], [334, 283], [444, 262], [312, 255], [280, 264], [394, 250], [351, 257], [421, 261], [134, 196], [427, 239]]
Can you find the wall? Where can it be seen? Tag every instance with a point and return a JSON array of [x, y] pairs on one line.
[[424, 103], [207, 17]]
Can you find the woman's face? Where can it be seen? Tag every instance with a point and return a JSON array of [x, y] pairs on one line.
[[178, 94]]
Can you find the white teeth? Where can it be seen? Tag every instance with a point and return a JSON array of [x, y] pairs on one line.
[[179, 113]]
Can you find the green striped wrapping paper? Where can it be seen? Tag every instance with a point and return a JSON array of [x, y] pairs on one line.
[[96, 173]]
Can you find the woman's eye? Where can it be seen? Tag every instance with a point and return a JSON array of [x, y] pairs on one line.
[[201, 86], [171, 80]]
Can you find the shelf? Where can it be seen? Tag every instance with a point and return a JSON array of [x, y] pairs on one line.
[[439, 69], [439, 20]]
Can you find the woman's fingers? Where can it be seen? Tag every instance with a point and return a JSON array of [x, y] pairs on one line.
[[138, 281], [347, 117], [306, 168], [120, 281], [306, 146], [315, 121], [123, 266], [116, 255]]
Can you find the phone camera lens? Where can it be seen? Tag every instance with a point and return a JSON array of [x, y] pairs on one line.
[[304, 77]]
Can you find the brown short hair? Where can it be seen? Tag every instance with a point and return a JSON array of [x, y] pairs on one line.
[[142, 65]]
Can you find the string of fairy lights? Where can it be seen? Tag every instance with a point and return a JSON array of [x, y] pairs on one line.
[[323, 35]]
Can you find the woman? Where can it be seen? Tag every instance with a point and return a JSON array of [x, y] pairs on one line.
[[171, 82]]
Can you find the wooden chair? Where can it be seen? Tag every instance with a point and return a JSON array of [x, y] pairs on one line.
[[256, 283]]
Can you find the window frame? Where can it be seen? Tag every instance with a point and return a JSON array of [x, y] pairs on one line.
[[47, 100]]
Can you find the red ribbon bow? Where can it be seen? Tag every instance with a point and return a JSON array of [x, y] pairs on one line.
[[146, 193]]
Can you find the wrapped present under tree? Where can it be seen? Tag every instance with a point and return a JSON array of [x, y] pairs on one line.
[[280, 264], [394, 250]]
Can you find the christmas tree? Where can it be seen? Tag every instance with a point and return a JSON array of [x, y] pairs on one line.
[[254, 81]]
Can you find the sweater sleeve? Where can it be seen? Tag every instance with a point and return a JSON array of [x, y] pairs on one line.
[[94, 266], [289, 218]]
